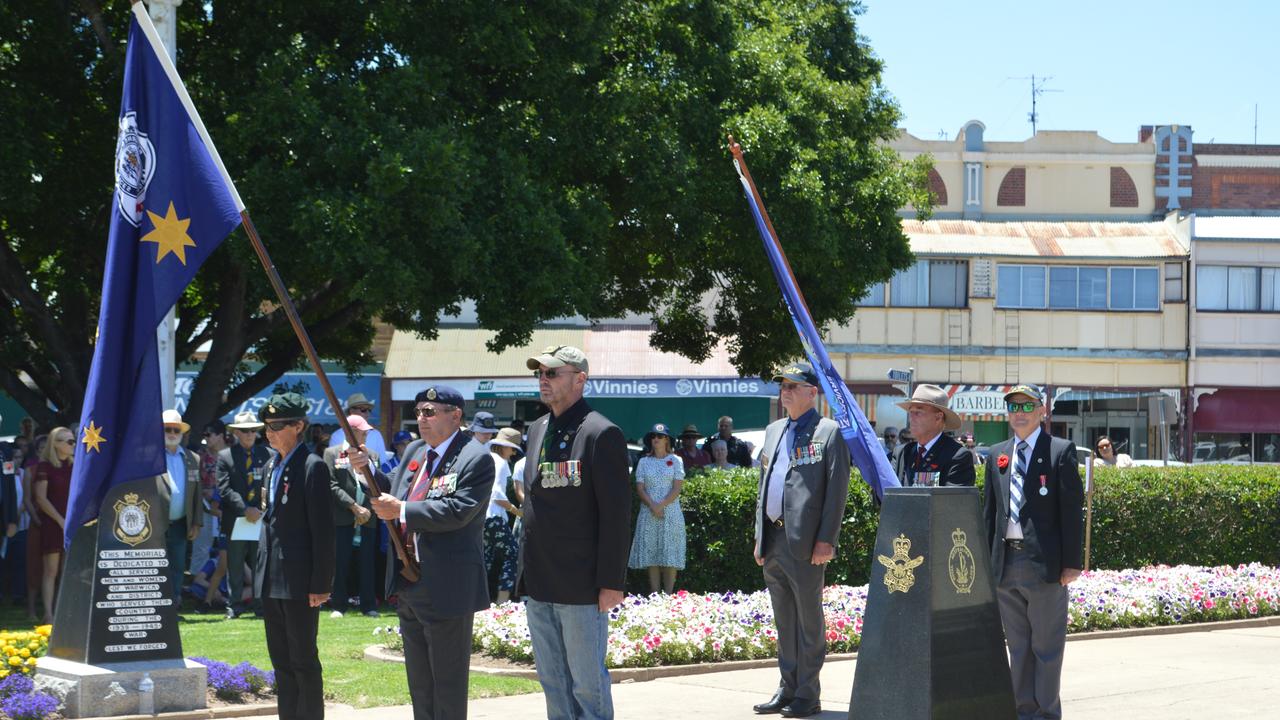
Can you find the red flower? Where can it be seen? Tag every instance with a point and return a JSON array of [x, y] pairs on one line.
[[413, 465], [670, 462], [1002, 462]]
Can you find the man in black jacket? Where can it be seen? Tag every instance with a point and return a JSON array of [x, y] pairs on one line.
[[437, 495], [1033, 512], [577, 537], [933, 459], [241, 484], [295, 558]]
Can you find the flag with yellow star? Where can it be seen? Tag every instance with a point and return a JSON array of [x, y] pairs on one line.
[[174, 204]]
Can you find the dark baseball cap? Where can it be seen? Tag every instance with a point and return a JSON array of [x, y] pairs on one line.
[[801, 372], [443, 394]]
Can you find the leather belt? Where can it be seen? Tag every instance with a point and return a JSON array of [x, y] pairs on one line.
[[1015, 543], [776, 523]]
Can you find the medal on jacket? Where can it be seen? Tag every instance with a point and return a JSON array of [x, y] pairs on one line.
[[1043, 490]]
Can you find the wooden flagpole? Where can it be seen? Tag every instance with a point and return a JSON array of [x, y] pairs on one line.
[[408, 566]]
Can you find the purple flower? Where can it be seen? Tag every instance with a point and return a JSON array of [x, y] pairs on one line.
[[16, 685], [35, 706]]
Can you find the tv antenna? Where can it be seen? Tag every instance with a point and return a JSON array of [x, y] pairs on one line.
[[1037, 89]]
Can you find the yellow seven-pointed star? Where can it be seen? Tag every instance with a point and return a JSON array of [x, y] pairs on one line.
[[92, 438], [170, 234]]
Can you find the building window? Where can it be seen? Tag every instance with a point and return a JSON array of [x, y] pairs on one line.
[[1078, 288], [1239, 289], [1020, 286], [874, 296], [1135, 289], [1223, 447], [973, 186], [931, 283], [1173, 289]]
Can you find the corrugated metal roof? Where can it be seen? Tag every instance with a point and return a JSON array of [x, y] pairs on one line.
[[1076, 240], [1241, 228], [613, 351]]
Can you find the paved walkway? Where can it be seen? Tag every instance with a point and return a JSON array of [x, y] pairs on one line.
[[1221, 675]]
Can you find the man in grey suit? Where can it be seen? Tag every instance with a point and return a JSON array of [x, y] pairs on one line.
[[804, 483], [1033, 515], [437, 496]]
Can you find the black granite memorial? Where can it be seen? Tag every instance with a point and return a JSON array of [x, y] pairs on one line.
[[932, 643], [116, 603]]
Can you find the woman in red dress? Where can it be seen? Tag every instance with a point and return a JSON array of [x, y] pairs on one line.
[[52, 487]]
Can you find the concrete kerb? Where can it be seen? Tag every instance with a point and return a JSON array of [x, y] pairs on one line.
[[629, 675], [223, 711]]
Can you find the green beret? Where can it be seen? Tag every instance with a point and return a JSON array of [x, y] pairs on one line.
[[285, 406]]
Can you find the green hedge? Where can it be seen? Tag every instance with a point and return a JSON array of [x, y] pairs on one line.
[[1197, 515]]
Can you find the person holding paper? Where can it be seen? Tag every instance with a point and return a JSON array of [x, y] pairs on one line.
[[240, 485]]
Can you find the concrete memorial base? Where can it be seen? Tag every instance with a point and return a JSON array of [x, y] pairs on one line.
[[932, 643], [108, 690]]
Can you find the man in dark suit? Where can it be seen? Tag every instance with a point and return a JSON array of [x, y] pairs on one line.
[[577, 537], [241, 484], [1032, 510], [352, 511], [804, 483], [933, 459], [295, 558], [437, 495]]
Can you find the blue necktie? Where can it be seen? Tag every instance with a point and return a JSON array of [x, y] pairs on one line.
[[1016, 498]]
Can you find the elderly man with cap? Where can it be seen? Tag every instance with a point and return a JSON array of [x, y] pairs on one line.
[[497, 530], [295, 558], [693, 457], [577, 537], [804, 483], [1033, 512], [186, 511], [358, 404], [483, 427], [437, 496], [242, 484], [352, 510], [933, 459]]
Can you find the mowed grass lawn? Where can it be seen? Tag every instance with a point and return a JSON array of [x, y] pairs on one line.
[[348, 677]]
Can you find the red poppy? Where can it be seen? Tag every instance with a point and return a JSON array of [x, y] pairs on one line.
[[1002, 462], [670, 462], [413, 466]]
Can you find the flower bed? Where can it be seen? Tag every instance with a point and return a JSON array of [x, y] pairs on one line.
[[20, 701], [21, 648], [691, 628], [233, 683]]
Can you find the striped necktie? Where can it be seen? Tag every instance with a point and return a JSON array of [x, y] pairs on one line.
[[1016, 497]]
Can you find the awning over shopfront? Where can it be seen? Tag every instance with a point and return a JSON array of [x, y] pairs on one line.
[[1036, 239], [608, 387], [1237, 410]]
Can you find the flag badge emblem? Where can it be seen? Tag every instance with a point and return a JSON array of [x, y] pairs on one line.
[[135, 166]]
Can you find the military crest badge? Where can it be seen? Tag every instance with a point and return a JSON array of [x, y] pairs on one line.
[[133, 520], [135, 166], [960, 563], [899, 574]]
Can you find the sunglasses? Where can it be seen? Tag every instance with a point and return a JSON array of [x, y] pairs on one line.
[[1104, 447], [429, 411], [172, 431], [553, 373], [278, 425], [363, 410], [1022, 407]]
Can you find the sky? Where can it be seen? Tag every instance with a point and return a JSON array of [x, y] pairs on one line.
[[1113, 66]]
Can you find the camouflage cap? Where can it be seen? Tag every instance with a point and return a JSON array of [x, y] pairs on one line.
[[559, 356], [285, 406], [1030, 391]]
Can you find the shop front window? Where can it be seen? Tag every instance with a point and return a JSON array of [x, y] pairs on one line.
[[1266, 447], [1223, 447]]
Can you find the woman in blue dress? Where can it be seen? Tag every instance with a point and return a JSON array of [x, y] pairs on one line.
[[659, 540]]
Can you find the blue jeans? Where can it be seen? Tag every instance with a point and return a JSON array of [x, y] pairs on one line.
[[569, 644]]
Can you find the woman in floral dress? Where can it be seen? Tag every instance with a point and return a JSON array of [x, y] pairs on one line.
[[659, 540]]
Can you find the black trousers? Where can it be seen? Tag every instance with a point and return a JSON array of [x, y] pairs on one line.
[[292, 626], [437, 659]]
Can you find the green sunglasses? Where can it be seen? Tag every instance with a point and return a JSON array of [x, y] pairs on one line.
[[1024, 407]]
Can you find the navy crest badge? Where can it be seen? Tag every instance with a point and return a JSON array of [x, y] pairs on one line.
[[135, 166]]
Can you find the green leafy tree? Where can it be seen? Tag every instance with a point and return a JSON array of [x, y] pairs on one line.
[[400, 158]]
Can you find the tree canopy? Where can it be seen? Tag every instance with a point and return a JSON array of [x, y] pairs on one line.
[[544, 160]]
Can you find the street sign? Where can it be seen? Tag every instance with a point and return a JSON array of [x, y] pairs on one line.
[[900, 375]]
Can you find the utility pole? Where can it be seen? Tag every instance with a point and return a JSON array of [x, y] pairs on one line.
[[164, 13]]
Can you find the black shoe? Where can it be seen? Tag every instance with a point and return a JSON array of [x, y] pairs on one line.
[[231, 613], [775, 704], [801, 707]]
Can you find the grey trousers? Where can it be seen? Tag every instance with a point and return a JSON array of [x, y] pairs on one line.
[[1034, 614], [795, 589]]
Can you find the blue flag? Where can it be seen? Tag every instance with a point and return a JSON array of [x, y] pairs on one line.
[[173, 205], [864, 448]]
